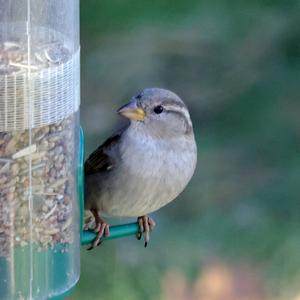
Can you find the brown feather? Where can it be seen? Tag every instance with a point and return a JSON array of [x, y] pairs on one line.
[[99, 160]]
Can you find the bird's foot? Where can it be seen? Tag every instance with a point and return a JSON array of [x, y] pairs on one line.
[[88, 222], [101, 229], [146, 225]]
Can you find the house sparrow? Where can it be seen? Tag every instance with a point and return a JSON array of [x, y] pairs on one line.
[[145, 165]]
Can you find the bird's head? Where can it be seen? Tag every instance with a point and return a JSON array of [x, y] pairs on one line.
[[159, 112]]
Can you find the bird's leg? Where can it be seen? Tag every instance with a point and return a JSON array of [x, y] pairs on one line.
[[146, 225], [101, 228]]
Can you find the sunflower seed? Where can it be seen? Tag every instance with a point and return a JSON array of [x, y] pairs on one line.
[[24, 152]]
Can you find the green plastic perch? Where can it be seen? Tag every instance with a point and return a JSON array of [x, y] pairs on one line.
[[116, 231]]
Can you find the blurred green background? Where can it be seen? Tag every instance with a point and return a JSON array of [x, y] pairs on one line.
[[234, 234]]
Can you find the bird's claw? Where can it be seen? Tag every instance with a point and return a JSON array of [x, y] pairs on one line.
[[146, 225], [139, 235], [101, 229]]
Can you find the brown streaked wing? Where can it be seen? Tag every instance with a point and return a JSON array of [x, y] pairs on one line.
[[99, 160]]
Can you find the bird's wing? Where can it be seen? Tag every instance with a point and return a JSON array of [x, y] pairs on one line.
[[100, 160]]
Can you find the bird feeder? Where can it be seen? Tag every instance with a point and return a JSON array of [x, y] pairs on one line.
[[39, 134], [41, 152]]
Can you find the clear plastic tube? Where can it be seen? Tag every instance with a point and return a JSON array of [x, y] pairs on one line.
[[39, 127]]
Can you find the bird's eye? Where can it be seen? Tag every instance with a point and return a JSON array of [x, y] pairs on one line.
[[139, 96], [158, 109]]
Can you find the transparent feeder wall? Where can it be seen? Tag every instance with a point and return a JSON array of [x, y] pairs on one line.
[[39, 127]]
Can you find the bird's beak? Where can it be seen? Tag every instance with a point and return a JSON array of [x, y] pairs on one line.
[[132, 111]]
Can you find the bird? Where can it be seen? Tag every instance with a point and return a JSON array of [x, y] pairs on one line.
[[143, 166]]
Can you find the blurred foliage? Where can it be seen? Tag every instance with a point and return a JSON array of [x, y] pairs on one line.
[[235, 231]]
